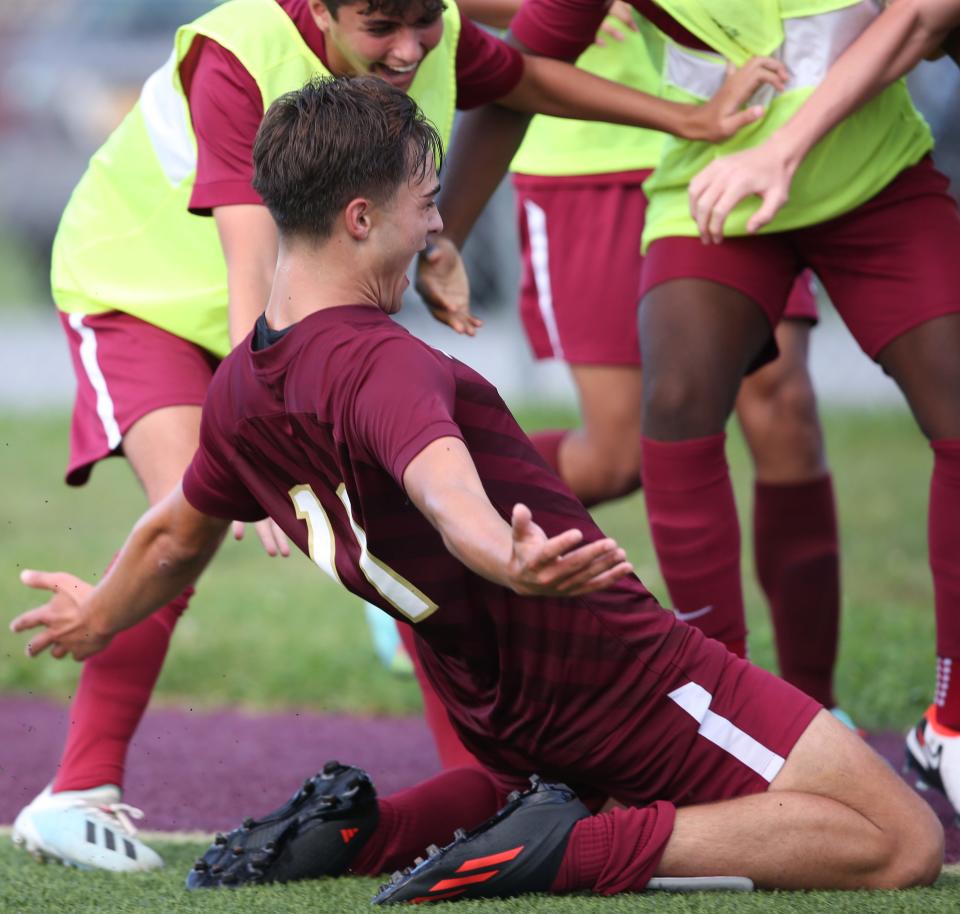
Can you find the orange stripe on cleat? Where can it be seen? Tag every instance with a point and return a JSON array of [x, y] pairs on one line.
[[463, 880], [491, 860], [348, 834], [424, 898]]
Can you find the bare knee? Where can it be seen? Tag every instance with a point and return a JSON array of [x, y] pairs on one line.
[[678, 406], [778, 415], [911, 852]]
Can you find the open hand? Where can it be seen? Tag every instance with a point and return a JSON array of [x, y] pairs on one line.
[[64, 617], [272, 538], [725, 182], [558, 566], [723, 115], [442, 283]]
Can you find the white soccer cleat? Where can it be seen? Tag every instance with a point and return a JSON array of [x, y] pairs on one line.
[[88, 829], [933, 754]]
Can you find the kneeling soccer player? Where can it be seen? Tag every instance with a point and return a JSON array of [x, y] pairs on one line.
[[402, 474]]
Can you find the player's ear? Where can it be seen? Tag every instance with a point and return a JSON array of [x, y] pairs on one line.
[[321, 15], [357, 218]]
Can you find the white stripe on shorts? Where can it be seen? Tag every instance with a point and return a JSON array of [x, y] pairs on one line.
[[88, 357], [695, 700], [540, 260]]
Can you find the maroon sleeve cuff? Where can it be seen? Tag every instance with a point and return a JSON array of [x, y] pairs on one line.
[[210, 502], [558, 28], [487, 67], [221, 193]]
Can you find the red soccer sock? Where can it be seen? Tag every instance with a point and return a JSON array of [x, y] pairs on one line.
[[616, 851], [796, 550], [114, 690], [548, 447], [451, 751], [429, 813], [695, 530], [944, 543]]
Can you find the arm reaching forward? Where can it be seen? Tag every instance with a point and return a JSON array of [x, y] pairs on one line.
[[902, 35], [442, 482], [166, 551]]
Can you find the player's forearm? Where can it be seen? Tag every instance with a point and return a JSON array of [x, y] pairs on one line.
[[162, 557], [472, 531], [248, 237], [483, 146], [556, 88], [891, 46]]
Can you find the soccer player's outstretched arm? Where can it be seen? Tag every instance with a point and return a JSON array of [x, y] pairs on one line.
[[442, 482], [906, 32], [487, 138], [165, 552]]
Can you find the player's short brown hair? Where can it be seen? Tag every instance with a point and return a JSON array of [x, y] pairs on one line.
[[334, 140], [387, 7]]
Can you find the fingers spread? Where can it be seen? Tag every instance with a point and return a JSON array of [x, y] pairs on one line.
[[556, 551], [30, 619], [604, 580], [39, 643], [47, 580]]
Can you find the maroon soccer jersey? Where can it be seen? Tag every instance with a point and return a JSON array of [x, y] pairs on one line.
[[317, 429], [566, 28]]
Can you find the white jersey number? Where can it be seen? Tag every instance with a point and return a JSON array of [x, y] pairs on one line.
[[395, 589]]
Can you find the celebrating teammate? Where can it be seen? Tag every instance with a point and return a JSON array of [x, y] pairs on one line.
[[906, 32], [581, 211], [152, 295], [402, 474]]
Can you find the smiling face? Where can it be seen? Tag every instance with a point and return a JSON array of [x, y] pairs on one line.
[[402, 226], [389, 44]]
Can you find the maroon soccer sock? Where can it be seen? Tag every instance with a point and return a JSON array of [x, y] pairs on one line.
[[450, 750], [796, 550], [695, 530], [428, 813], [548, 447], [616, 851], [944, 543], [114, 690]]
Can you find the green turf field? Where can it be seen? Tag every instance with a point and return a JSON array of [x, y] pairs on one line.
[[308, 643], [32, 889]]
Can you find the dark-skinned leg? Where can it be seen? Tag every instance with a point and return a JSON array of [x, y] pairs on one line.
[[698, 338], [795, 541], [925, 364]]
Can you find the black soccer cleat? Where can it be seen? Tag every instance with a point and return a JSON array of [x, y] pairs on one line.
[[517, 850], [317, 832]]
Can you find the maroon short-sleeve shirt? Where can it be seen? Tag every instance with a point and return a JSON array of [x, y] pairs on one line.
[[329, 416]]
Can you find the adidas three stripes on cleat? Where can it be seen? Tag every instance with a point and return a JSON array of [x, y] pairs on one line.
[[517, 850], [88, 829], [317, 832]]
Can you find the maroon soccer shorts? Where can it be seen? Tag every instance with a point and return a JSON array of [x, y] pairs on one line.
[[580, 286], [711, 728], [888, 266], [125, 369]]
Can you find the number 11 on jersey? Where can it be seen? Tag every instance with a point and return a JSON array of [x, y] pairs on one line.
[[321, 544]]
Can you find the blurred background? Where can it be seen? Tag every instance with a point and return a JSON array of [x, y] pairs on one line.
[[70, 70]]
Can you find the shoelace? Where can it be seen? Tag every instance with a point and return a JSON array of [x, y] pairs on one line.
[[119, 813]]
